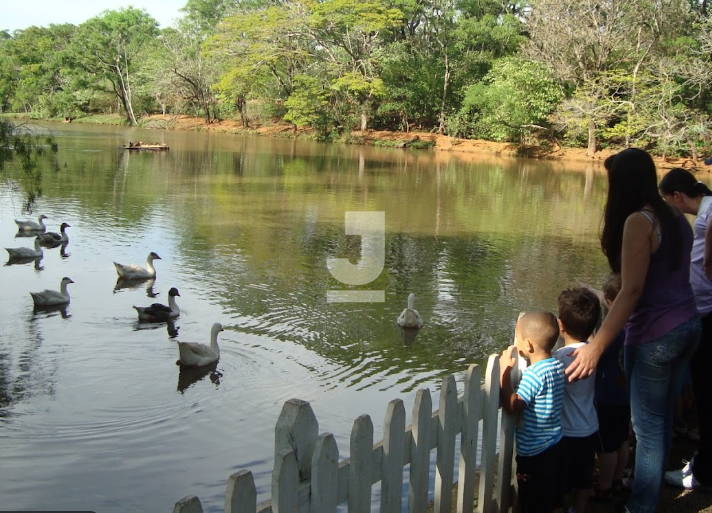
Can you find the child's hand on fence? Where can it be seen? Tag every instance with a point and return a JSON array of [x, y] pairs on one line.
[[507, 361]]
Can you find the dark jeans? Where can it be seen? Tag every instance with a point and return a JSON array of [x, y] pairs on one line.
[[702, 385], [537, 478]]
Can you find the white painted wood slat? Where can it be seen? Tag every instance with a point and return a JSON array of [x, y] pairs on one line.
[[392, 467], [489, 435], [420, 453], [361, 471], [324, 475], [240, 493], [448, 427]]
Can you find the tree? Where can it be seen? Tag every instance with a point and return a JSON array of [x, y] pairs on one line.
[[514, 100], [109, 46]]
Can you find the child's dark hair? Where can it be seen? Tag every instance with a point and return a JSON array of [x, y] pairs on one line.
[[579, 310], [612, 286], [540, 327], [681, 180]]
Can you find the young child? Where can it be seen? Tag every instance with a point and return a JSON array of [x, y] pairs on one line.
[[612, 406], [579, 311], [539, 397]]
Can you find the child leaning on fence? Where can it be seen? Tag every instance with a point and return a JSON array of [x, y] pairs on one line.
[[579, 312], [538, 397]]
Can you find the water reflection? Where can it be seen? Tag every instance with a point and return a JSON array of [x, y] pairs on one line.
[[170, 326], [124, 284], [188, 376], [26, 260], [408, 335], [45, 312]]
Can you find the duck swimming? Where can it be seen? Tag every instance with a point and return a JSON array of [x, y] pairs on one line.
[[31, 226], [197, 355], [52, 297], [135, 272], [158, 312], [54, 238], [410, 318], [25, 253]]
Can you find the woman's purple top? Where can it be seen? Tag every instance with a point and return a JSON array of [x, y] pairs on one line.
[[667, 300]]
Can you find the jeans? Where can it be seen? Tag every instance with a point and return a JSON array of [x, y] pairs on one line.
[[702, 385], [655, 373]]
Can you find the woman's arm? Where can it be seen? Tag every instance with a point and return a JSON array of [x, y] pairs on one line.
[[707, 262], [635, 260]]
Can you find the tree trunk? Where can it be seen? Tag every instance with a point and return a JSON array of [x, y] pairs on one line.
[[364, 116], [446, 85], [591, 150]]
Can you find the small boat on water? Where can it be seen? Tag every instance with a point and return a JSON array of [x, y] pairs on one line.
[[140, 145]]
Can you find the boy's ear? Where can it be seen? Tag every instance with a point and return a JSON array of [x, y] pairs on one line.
[[562, 329], [529, 345]]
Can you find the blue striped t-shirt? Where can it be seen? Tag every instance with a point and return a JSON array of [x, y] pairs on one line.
[[542, 389]]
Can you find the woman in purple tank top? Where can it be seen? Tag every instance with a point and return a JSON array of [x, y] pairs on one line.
[[682, 190], [649, 243]]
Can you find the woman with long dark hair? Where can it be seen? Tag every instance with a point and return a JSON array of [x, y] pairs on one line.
[[649, 243], [682, 190]]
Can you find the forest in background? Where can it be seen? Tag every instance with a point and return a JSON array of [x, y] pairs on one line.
[[581, 73]]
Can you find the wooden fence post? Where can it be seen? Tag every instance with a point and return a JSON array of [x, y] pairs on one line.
[[471, 414], [490, 419], [324, 482], [420, 453], [361, 468], [448, 427], [241, 494], [190, 504], [297, 429], [285, 483], [393, 453]]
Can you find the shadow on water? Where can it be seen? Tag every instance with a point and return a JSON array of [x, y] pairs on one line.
[[124, 284], [170, 326], [188, 376], [21, 261], [44, 312], [408, 335]]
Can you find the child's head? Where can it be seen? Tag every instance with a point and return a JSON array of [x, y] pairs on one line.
[[536, 332], [579, 311], [611, 287]]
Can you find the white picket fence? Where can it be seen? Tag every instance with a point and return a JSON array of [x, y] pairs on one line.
[[308, 476]]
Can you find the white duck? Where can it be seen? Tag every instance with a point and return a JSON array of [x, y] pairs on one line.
[[135, 272], [197, 355], [410, 318], [31, 226], [54, 238], [20, 253], [52, 297], [158, 312]]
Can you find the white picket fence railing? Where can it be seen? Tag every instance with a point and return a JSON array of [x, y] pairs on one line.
[[309, 478]]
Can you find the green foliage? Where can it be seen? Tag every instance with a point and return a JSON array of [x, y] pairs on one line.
[[514, 99], [17, 143], [308, 105]]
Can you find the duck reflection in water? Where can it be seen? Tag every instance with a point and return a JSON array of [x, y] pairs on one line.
[[170, 325], [37, 261], [408, 335], [188, 376], [45, 312], [122, 284]]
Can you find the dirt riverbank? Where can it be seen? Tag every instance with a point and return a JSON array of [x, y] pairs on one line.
[[466, 149]]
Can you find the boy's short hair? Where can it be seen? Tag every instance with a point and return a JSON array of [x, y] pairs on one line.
[[612, 286], [541, 328], [579, 311]]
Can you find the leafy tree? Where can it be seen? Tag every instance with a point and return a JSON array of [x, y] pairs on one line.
[[308, 105], [514, 99], [109, 46]]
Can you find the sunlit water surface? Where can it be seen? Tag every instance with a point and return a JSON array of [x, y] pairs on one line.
[[95, 414]]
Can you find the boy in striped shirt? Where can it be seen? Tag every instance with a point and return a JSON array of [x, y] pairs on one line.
[[539, 397]]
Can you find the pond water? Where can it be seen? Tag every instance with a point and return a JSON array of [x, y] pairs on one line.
[[95, 414]]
